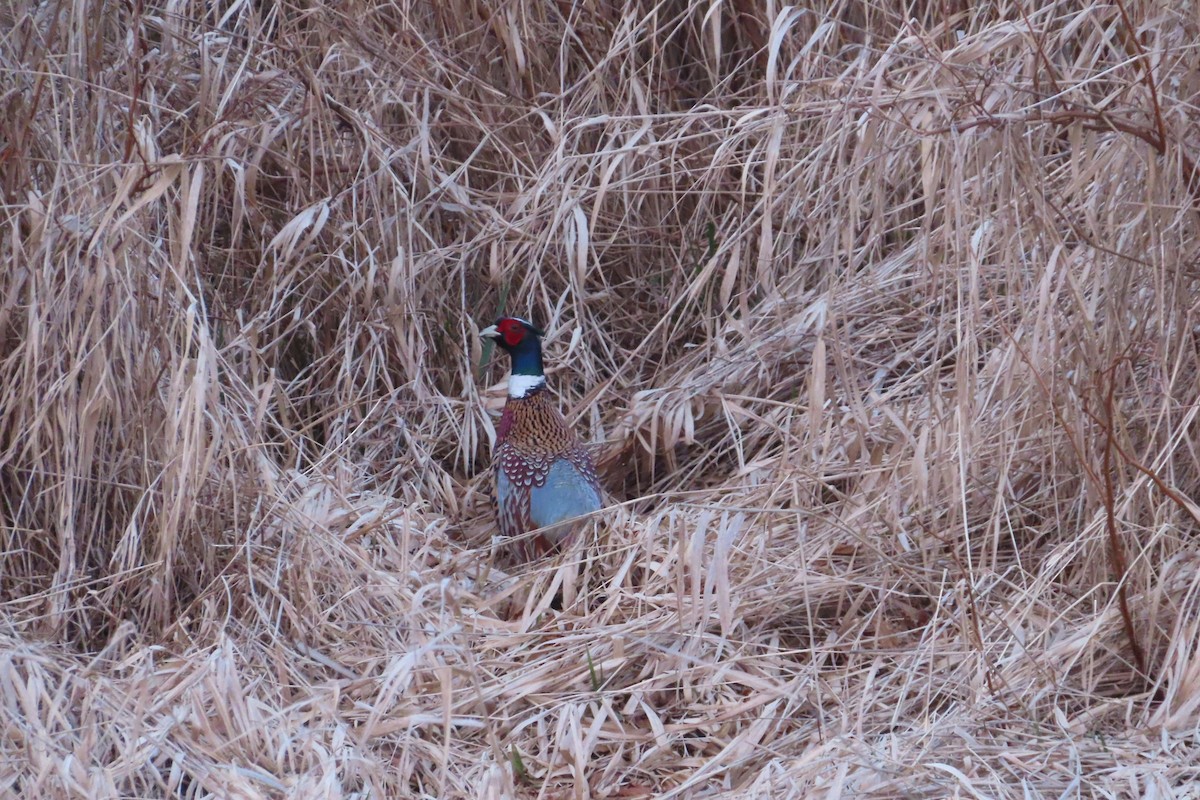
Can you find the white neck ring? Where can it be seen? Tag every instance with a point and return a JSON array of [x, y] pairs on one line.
[[521, 385]]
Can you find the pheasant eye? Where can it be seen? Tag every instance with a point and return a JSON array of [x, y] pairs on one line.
[[513, 332]]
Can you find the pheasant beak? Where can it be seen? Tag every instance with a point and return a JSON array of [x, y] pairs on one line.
[[489, 332]]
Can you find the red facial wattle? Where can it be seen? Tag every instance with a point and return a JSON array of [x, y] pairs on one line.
[[512, 331]]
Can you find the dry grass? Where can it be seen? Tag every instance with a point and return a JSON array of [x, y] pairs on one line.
[[886, 321]]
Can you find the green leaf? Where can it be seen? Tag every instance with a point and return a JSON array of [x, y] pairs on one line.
[[485, 355], [518, 766], [596, 677]]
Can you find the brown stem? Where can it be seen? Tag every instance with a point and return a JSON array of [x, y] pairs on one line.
[[1118, 564]]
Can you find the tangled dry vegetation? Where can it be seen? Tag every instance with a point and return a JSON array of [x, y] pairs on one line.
[[885, 323]]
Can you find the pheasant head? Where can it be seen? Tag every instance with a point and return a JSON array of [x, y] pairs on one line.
[[523, 343]]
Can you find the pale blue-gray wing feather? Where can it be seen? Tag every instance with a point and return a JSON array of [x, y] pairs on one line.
[[566, 493]]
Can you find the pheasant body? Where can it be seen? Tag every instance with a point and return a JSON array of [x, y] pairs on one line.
[[544, 475]]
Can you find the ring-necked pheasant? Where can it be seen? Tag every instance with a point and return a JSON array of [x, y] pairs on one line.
[[544, 475]]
